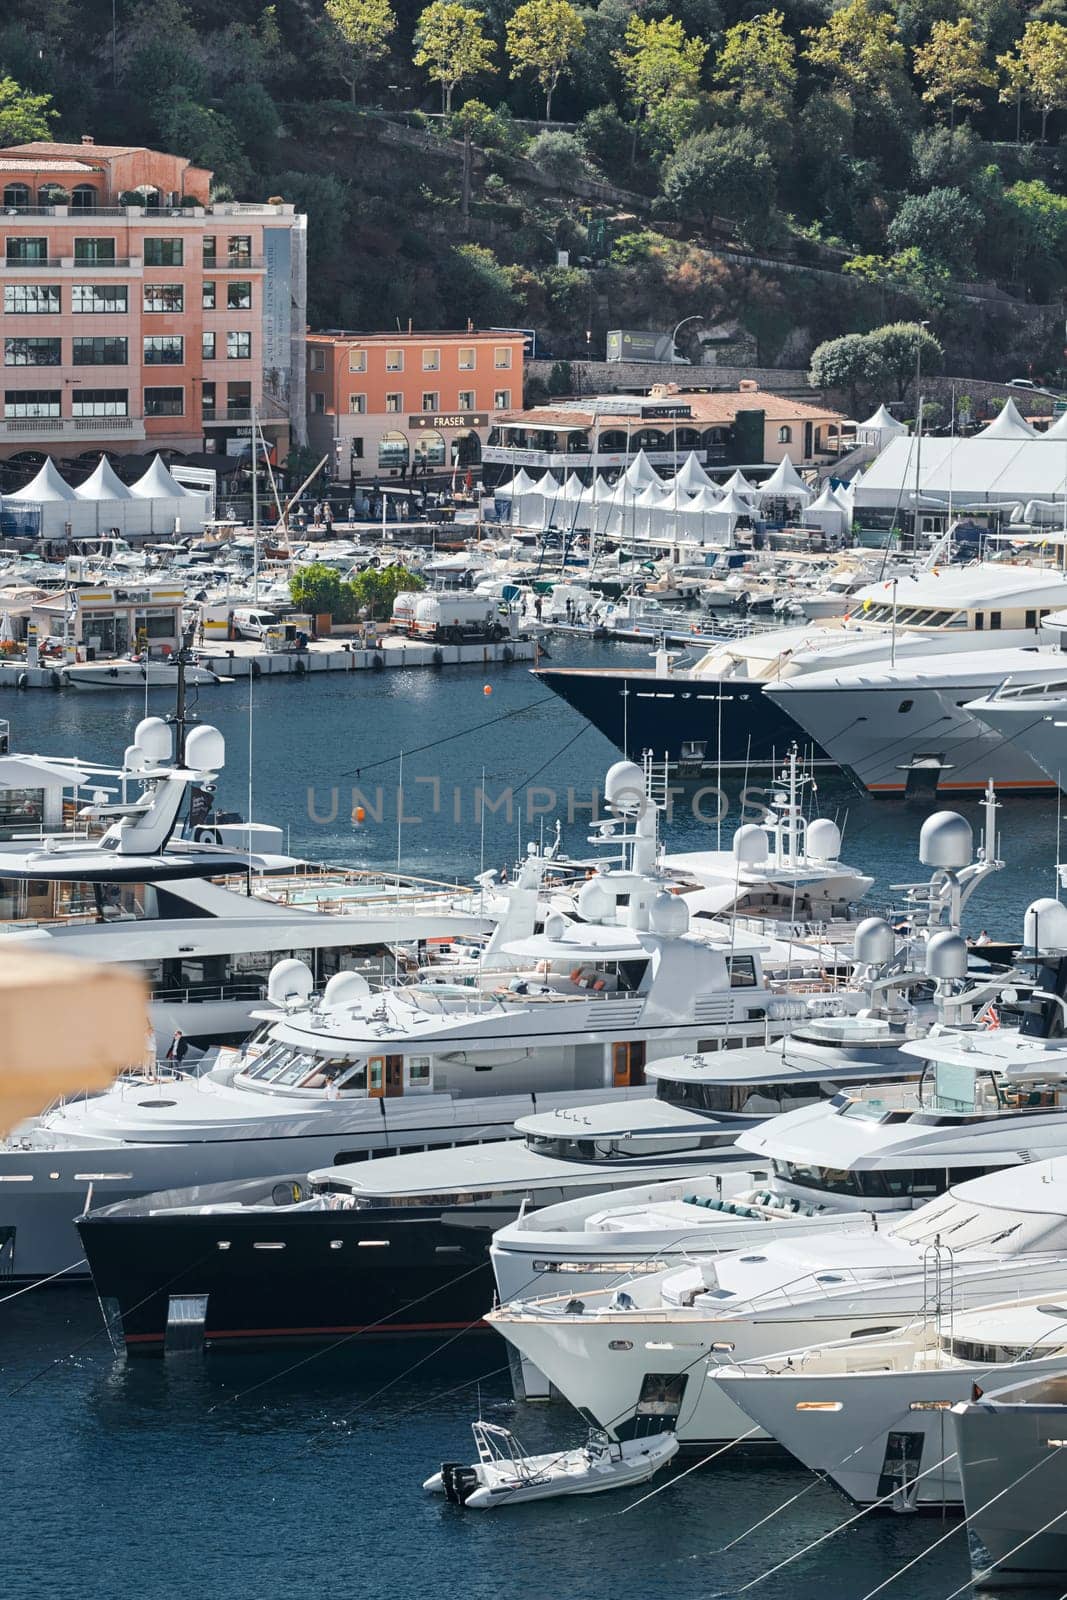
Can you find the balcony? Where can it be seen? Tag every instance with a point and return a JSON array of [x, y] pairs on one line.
[[28, 430], [67, 264]]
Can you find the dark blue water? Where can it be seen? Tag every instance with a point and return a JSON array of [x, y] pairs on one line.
[[231, 1478]]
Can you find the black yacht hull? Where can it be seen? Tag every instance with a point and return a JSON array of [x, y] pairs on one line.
[[696, 723], [249, 1278]]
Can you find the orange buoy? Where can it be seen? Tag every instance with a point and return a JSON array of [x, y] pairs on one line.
[[488, 689], [359, 815]]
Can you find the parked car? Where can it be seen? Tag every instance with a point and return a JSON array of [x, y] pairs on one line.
[[253, 624]]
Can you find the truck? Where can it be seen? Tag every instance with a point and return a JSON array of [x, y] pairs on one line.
[[642, 344], [450, 618]]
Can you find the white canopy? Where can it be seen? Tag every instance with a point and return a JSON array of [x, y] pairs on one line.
[[104, 484], [879, 429], [1008, 425], [47, 486], [640, 472], [739, 484], [785, 483], [732, 505], [973, 472], [826, 513], [1058, 429], [691, 475], [157, 484]]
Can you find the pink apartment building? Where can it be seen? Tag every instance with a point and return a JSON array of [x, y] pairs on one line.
[[139, 315]]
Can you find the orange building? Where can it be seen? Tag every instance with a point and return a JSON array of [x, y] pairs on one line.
[[137, 314], [383, 402]]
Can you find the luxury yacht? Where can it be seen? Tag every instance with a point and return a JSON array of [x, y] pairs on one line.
[[717, 713], [1031, 717], [871, 1414], [1011, 1444]]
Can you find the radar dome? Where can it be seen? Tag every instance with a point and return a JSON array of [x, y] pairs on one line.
[[555, 926], [750, 845], [669, 915], [595, 900], [624, 785], [1045, 926], [205, 749], [873, 942], [290, 983], [946, 955], [345, 989], [823, 840], [135, 759], [946, 840], [152, 735]]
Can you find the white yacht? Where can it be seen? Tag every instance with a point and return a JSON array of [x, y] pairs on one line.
[[872, 1414], [1011, 1443], [1030, 715], [643, 1357]]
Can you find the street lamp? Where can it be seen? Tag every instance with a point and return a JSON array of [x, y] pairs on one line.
[[674, 335], [922, 326]]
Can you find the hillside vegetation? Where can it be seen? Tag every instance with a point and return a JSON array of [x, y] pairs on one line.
[[886, 153]]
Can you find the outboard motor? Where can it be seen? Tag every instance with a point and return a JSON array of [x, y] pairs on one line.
[[460, 1482]]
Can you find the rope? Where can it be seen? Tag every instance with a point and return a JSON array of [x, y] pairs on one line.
[[721, 1451], [40, 1283], [519, 711]]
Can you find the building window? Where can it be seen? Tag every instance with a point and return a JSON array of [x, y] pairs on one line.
[[100, 403], [502, 400], [394, 361], [431, 361], [31, 403], [30, 299], [502, 357], [27, 250], [239, 296], [466, 399], [101, 251], [392, 451], [32, 353], [357, 361], [357, 404], [317, 359], [468, 357], [207, 401], [163, 253], [431, 400], [210, 258], [164, 297], [207, 296], [103, 298], [430, 449], [164, 402], [83, 197], [238, 347], [239, 250], [318, 404], [207, 346], [106, 351], [785, 436], [394, 402], [238, 401], [17, 196], [164, 349]]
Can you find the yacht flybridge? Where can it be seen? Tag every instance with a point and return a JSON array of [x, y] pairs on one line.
[[716, 712], [202, 910]]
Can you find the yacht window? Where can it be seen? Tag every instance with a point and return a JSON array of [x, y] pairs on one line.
[[994, 619], [419, 1071], [352, 1075], [742, 972], [1031, 619], [937, 619], [905, 705], [298, 1066], [268, 1061]]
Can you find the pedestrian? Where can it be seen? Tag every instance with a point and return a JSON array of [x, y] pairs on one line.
[[539, 601], [403, 470]]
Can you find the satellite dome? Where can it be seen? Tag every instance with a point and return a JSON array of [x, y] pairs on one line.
[[595, 900], [345, 989], [1045, 926], [946, 840], [946, 955], [555, 926], [205, 749], [873, 942], [669, 915], [823, 840], [750, 845], [290, 983], [135, 759], [152, 735], [624, 785]]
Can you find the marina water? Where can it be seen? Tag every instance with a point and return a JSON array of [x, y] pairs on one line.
[[296, 1472]]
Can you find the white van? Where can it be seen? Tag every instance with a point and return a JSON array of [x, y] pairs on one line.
[[253, 624]]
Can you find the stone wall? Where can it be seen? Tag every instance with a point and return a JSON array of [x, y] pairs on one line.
[[623, 377]]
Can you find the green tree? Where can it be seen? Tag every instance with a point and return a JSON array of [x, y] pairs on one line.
[[953, 68], [451, 45], [1037, 69], [542, 37], [375, 589], [725, 172], [851, 363], [560, 154], [758, 61], [1037, 227], [660, 67], [943, 223], [899, 345], [859, 45], [316, 589], [23, 116], [910, 271], [363, 29]]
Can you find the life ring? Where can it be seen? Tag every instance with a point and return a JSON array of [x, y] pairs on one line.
[[22, 681]]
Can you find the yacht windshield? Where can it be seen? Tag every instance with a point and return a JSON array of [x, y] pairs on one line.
[[741, 1099], [922, 1183]]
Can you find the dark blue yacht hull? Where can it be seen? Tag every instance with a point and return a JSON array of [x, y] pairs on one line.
[[698, 724]]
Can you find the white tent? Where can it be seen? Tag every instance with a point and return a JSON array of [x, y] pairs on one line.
[[113, 506], [670, 517], [785, 483], [703, 508], [827, 513], [645, 507], [640, 473], [1058, 429], [1008, 425], [719, 523], [47, 487], [879, 429], [56, 503], [691, 475], [739, 484], [173, 508]]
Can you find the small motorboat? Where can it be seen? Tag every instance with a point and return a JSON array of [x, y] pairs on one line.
[[133, 674], [504, 1475]]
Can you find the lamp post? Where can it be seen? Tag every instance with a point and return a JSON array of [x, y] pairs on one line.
[[674, 335], [918, 430]]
